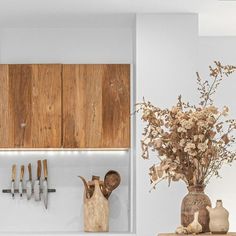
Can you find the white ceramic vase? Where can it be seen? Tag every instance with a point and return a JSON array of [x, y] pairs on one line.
[[195, 227], [219, 219]]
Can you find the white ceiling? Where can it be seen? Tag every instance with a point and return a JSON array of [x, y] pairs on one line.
[[216, 17]]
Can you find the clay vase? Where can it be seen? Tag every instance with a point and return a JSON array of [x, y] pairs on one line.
[[219, 219], [196, 200]]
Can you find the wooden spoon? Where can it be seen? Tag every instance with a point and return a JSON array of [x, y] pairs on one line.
[[111, 181]]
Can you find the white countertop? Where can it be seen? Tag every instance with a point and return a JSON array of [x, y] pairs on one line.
[[66, 234]]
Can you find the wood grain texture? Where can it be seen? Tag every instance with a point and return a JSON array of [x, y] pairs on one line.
[[46, 108], [116, 106], [96, 106], [6, 131], [20, 104], [82, 106], [32, 98], [202, 234]]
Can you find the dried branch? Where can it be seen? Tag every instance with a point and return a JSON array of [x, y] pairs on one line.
[[192, 142]]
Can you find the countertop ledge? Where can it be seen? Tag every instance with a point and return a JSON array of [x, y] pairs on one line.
[[65, 234], [202, 234]]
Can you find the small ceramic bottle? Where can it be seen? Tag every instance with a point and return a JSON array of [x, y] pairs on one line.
[[219, 219], [195, 227]]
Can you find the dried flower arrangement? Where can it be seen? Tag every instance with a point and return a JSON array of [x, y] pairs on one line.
[[192, 142]]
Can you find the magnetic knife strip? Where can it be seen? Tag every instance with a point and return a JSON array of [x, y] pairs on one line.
[[53, 190], [31, 188]]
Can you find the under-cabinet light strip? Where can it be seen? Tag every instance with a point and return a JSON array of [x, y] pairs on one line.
[[59, 152]]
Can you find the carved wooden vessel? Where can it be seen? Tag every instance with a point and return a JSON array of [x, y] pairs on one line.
[[96, 211]]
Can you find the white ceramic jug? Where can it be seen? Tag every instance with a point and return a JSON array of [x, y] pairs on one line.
[[194, 227], [219, 218]]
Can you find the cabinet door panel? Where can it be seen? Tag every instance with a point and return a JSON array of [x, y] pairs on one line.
[[116, 106], [20, 104], [96, 106], [46, 109], [33, 102], [6, 130], [82, 104]]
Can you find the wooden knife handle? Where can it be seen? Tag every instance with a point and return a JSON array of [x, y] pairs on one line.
[[39, 169], [13, 172], [22, 169], [30, 171], [45, 168]]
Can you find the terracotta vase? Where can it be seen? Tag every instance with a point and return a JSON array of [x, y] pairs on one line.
[[219, 219], [196, 200]]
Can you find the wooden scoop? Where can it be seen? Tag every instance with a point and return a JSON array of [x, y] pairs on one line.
[[111, 181], [88, 192]]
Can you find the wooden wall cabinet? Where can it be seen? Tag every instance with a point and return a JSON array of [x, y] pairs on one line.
[[96, 106], [69, 106], [30, 106]]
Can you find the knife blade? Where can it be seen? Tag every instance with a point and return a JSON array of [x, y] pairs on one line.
[[22, 169], [45, 183], [37, 196], [29, 183], [13, 178]]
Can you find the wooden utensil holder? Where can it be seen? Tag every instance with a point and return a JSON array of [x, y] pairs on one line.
[[96, 211]]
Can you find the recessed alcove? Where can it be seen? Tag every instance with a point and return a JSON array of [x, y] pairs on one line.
[[65, 207]]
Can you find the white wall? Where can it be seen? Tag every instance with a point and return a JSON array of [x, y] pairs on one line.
[[166, 49], [167, 56], [65, 207], [66, 45], [222, 49], [169, 52], [96, 40], [0, 43]]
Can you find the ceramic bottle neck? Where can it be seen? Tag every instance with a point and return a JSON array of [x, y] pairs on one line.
[[219, 203], [196, 214]]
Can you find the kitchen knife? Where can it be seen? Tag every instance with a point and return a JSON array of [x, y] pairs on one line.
[[45, 184], [13, 178], [37, 182], [29, 183], [22, 168]]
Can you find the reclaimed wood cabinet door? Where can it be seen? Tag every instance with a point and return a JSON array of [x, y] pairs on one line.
[[96, 106], [30, 106]]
